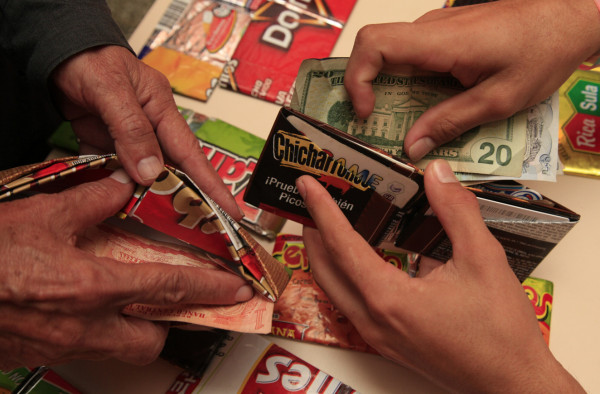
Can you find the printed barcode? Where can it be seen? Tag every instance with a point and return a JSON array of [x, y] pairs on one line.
[[172, 14], [497, 212]]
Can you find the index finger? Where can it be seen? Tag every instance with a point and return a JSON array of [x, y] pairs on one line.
[[179, 143], [385, 45], [184, 149], [450, 118]]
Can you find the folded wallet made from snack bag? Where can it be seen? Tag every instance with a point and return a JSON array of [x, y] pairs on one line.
[[384, 197], [172, 205]]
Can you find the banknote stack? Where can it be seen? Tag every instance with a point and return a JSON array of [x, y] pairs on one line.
[[523, 147], [115, 241]]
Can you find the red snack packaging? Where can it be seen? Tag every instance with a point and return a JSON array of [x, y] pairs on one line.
[[172, 205], [305, 313], [192, 52], [281, 35], [250, 364]]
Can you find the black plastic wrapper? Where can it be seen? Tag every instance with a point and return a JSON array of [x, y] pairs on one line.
[[458, 3], [193, 350]]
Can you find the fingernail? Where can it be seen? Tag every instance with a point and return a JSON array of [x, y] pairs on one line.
[[244, 293], [420, 148], [443, 172], [301, 187], [120, 176], [149, 168]]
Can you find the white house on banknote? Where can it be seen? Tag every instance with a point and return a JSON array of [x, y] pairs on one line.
[[388, 123]]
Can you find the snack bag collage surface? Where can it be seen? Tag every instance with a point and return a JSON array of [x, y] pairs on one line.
[[252, 47]]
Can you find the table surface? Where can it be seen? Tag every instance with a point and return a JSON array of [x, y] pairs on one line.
[[571, 265]]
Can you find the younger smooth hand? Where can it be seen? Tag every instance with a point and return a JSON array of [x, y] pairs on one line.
[[509, 54], [466, 324]]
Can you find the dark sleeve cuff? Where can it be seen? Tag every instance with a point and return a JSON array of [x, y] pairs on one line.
[[40, 34]]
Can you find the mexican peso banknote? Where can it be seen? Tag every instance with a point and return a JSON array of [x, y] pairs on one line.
[[104, 240]]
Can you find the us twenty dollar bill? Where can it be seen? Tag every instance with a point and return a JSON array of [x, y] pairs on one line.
[[105, 240], [496, 148], [540, 162]]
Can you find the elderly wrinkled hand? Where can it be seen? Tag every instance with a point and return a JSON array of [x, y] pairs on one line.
[[116, 103], [60, 303]]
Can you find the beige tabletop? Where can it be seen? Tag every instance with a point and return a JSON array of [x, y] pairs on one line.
[[573, 265]]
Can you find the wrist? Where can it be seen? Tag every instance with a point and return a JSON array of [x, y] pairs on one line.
[[546, 374], [532, 369]]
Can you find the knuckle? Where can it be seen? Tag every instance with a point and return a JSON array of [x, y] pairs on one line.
[[93, 194], [447, 129], [149, 355], [190, 148], [338, 247], [369, 333], [145, 351], [376, 331], [92, 190], [156, 84], [68, 336], [504, 105], [162, 82], [495, 247], [379, 310], [502, 108], [175, 287], [429, 15], [142, 346], [47, 221], [50, 212], [136, 129], [153, 74], [366, 35], [464, 201], [470, 199]]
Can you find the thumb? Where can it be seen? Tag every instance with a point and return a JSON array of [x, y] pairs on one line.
[[135, 141], [107, 81], [90, 203], [458, 211]]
